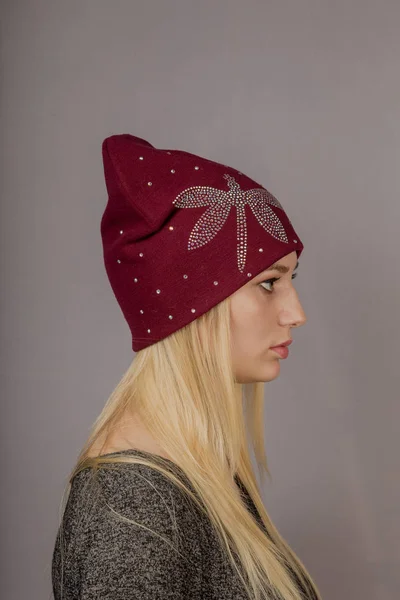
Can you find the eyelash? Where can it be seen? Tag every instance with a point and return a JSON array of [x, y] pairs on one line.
[[272, 281]]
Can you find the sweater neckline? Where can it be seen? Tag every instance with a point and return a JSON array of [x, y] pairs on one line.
[[151, 454], [174, 465]]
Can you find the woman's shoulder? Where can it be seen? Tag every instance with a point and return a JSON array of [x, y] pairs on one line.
[[131, 490], [122, 522]]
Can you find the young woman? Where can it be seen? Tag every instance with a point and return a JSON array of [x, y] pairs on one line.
[[163, 501]]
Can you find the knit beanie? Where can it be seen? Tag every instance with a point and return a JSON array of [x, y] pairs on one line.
[[181, 233]]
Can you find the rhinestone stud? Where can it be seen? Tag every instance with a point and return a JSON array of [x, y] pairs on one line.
[[196, 168], [185, 277], [141, 254], [122, 231], [118, 261], [149, 183], [158, 291], [170, 317], [261, 249], [141, 312], [170, 228], [140, 157], [248, 274], [215, 282], [193, 310], [148, 331], [135, 280], [172, 170]]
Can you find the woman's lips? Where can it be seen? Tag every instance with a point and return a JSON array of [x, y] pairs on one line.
[[283, 351]]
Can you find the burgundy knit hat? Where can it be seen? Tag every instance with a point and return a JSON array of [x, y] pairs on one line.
[[181, 233]]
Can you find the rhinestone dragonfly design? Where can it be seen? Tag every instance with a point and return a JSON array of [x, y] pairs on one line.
[[220, 203]]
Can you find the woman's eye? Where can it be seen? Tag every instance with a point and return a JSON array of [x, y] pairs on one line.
[[272, 281]]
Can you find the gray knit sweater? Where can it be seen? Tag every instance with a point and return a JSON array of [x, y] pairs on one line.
[[109, 559]]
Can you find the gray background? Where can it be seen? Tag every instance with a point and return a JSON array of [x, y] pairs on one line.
[[303, 96]]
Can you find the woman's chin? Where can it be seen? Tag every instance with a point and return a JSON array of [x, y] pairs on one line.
[[270, 370], [267, 372]]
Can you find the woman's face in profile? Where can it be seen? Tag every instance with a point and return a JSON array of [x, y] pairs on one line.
[[262, 315]]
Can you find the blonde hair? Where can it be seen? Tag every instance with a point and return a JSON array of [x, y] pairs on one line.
[[184, 391]]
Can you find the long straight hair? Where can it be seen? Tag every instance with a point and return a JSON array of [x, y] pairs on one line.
[[184, 391]]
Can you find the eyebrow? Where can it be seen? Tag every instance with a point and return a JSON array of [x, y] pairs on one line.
[[280, 268]]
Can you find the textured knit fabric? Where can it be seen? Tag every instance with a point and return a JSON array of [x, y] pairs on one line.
[[106, 558]]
